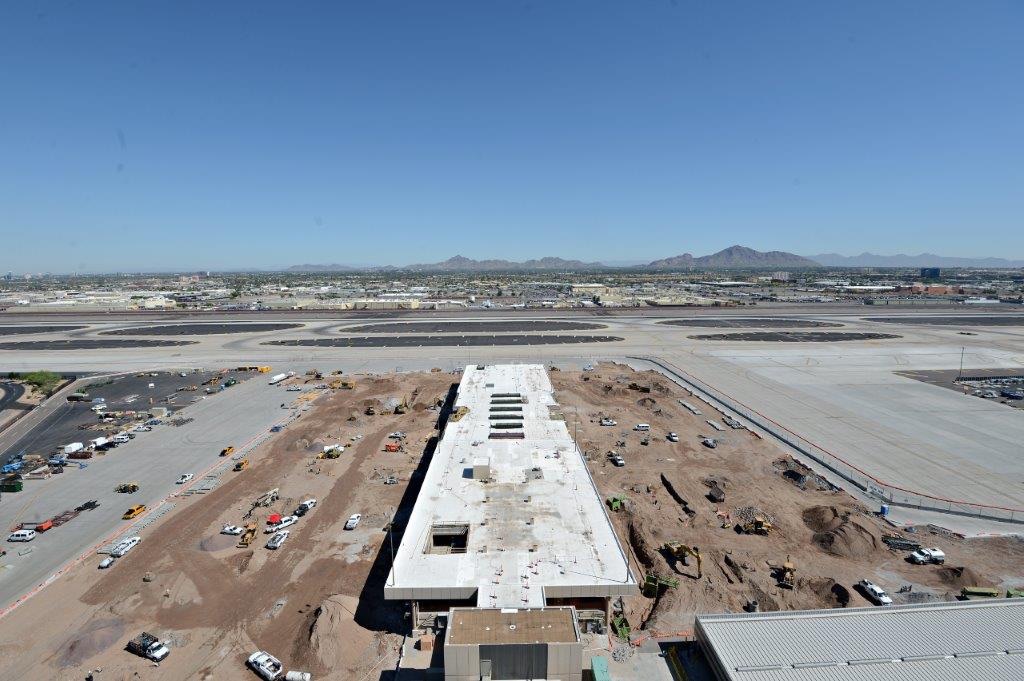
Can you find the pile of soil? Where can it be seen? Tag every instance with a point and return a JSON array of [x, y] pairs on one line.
[[334, 642], [93, 638], [831, 593], [838, 534], [959, 577], [823, 518], [613, 390], [646, 402]]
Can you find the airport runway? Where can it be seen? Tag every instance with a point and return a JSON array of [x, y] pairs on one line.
[[846, 397]]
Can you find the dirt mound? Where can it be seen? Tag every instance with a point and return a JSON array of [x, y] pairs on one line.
[[959, 577], [823, 518], [613, 390], [847, 539], [832, 594], [646, 402], [334, 641], [94, 638], [217, 542]]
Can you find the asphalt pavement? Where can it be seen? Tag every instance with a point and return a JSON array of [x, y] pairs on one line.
[[154, 460]]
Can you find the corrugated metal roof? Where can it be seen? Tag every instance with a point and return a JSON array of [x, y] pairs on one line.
[[939, 641]]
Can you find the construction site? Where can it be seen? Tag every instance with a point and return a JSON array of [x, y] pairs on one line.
[[501, 521]]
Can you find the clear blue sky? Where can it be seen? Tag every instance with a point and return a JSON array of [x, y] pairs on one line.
[[141, 135]]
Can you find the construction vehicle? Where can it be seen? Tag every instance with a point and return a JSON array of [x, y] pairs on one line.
[[127, 488], [621, 627], [616, 503], [370, 411], [458, 413], [970, 593], [148, 646], [227, 451], [242, 465], [134, 512], [248, 534], [759, 525], [392, 447], [329, 454], [785, 574], [655, 584], [681, 552]]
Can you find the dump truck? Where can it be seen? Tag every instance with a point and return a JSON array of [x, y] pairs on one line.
[[148, 646]]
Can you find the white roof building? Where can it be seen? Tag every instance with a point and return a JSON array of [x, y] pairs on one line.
[[508, 514]]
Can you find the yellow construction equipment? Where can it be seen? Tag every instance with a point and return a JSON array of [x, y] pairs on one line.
[[242, 465], [458, 413], [681, 552], [247, 535], [786, 574], [127, 487], [227, 451], [759, 525]]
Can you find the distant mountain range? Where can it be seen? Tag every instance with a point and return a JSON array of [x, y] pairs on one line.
[[901, 260], [734, 257]]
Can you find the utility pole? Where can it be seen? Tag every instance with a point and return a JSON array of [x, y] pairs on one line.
[[960, 375]]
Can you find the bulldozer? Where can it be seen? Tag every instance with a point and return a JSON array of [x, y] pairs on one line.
[[248, 534], [785, 574], [759, 525], [127, 488], [681, 552]]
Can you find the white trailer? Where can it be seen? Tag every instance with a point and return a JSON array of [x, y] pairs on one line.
[[73, 447], [277, 378]]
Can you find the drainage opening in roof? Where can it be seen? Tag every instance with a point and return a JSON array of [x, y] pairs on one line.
[[446, 538]]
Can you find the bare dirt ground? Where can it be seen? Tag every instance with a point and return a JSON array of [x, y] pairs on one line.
[[831, 538], [316, 603]]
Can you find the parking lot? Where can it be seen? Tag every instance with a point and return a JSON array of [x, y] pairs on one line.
[[130, 393], [154, 460]]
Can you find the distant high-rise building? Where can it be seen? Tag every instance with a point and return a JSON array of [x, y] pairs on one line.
[[930, 272], [8, 277]]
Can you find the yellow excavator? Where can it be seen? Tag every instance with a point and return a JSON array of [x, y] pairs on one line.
[[248, 534], [786, 574], [681, 552]]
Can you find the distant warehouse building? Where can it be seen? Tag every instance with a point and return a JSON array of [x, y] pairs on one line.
[[508, 548], [936, 641]]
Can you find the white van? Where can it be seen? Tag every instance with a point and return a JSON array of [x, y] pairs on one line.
[[121, 438], [22, 535], [642, 427], [125, 546]]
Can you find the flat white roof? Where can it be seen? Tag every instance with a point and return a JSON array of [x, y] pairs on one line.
[[536, 529]]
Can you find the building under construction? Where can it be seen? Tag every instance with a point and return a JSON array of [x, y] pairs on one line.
[[509, 546]]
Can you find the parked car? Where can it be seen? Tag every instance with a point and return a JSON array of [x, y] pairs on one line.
[[926, 556], [21, 535], [233, 530], [134, 511], [874, 593], [305, 507], [142, 429], [125, 546], [293, 389], [278, 539], [672, 437], [107, 562], [609, 422], [709, 442], [186, 477], [353, 521], [266, 665], [286, 521], [588, 367], [616, 459]]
